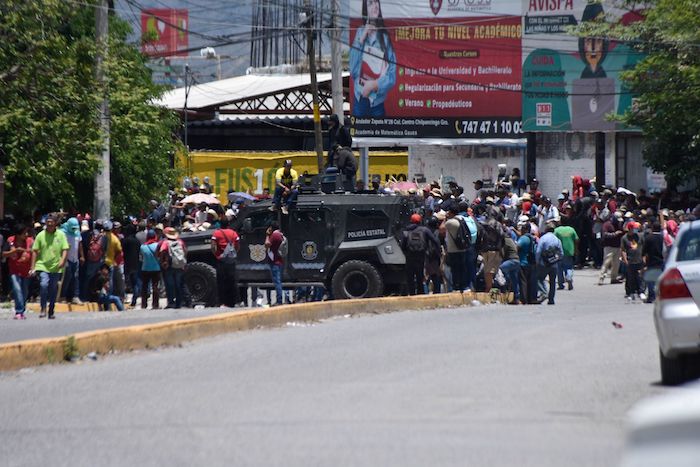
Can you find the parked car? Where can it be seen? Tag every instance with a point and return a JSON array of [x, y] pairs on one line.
[[676, 311]]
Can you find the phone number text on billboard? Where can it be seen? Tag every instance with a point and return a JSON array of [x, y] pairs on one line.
[[491, 127]]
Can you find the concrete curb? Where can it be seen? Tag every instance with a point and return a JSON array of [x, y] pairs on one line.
[[34, 352]]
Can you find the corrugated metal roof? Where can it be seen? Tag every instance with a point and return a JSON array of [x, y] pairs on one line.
[[226, 91]]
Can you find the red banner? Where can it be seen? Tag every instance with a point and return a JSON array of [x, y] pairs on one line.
[[164, 32]]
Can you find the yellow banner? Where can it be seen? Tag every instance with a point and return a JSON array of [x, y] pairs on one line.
[[252, 171]]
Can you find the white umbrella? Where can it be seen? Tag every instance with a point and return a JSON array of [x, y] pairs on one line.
[[199, 198]]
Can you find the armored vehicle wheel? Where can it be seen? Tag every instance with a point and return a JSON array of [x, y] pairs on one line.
[[201, 282], [357, 279]]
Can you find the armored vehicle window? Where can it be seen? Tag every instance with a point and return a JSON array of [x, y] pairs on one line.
[[262, 220], [309, 217]]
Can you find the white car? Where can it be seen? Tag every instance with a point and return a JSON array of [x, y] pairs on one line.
[[676, 312]]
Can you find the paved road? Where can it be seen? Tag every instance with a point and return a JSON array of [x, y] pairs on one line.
[[482, 386], [73, 322]]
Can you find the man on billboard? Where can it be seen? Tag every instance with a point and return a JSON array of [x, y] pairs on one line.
[[372, 63]]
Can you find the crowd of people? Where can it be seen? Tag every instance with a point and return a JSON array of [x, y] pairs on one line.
[[508, 237]]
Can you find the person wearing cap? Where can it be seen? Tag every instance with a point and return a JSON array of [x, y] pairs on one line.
[[70, 289], [172, 254], [131, 248], [456, 258], [631, 249], [50, 252], [569, 241], [158, 211], [226, 279], [150, 270], [338, 135], [17, 252], [548, 242], [206, 186], [286, 179], [345, 161], [417, 242], [534, 190], [547, 212]]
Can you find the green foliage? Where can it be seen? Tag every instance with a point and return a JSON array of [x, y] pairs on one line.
[[667, 85], [70, 349], [49, 132]]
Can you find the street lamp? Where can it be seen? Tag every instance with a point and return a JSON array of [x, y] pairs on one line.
[[188, 86]]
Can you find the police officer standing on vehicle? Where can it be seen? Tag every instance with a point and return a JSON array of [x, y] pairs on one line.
[[338, 135], [345, 161], [417, 241]]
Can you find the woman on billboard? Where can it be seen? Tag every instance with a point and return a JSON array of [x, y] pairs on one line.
[[372, 63]]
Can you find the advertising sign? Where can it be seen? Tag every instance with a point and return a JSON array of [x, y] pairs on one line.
[[164, 32], [571, 83], [436, 68], [254, 171]]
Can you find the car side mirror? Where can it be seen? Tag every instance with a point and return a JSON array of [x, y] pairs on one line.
[[247, 225]]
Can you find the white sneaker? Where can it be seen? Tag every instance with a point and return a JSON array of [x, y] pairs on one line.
[[642, 296], [285, 211], [76, 301]]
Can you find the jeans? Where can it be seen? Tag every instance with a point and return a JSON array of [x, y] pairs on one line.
[[276, 271], [20, 292], [362, 108], [71, 283], [291, 197], [458, 268], [549, 272], [48, 283], [528, 283], [91, 268], [173, 286], [470, 263], [565, 270], [415, 267], [633, 279], [511, 269], [108, 300], [227, 284], [152, 278], [134, 278]]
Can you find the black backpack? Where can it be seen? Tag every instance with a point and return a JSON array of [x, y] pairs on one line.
[[551, 256], [415, 241], [491, 237], [463, 239]]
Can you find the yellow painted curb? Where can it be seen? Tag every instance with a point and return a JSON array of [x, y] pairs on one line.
[[22, 354]]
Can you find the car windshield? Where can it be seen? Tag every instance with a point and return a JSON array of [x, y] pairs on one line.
[[689, 246]]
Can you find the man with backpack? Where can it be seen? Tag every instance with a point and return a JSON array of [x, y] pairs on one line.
[[456, 241], [225, 244], [549, 253], [417, 243], [470, 251], [95, 245], [491, 244], [173, 260], [527, 245]]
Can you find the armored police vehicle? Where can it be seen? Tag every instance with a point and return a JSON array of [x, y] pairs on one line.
[[348, 243]]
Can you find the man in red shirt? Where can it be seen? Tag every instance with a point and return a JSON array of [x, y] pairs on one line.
[[225, 244], [273, 241], [18, 253]]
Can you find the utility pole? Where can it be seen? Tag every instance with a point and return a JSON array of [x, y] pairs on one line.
[[314, 84], [103, 196], [336, 64], [188, 86]]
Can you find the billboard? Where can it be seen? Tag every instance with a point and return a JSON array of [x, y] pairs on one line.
[[164, 32], [436, 68], [571, 83]]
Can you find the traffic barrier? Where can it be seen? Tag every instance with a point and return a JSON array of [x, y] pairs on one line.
[[34, 352]]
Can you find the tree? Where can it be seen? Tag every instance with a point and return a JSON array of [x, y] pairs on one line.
[[49, 138], [666, 84]]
